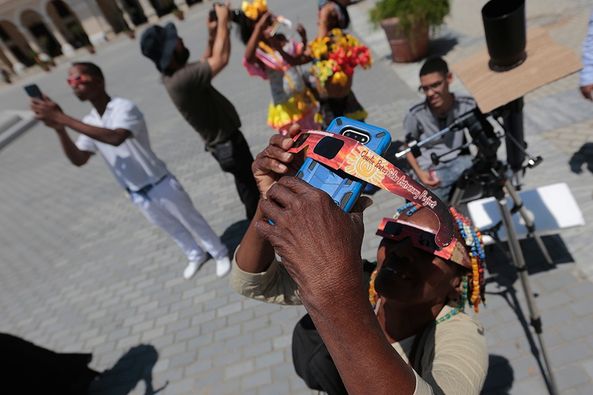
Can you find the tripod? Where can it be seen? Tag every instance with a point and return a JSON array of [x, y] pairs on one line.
[[493, 178]]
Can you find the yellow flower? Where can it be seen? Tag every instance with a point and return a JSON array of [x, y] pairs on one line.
[[319, 47], [254, 9], [340, 78]]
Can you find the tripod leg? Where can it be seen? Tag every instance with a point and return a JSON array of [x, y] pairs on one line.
[[529, 224], [456, 197], [519, 262]]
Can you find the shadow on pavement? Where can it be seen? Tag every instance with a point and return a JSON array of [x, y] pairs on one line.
[[502, 272], [583, 156], [499, 379], [133, 367], [26, 368], [441, 46], [232, 235]]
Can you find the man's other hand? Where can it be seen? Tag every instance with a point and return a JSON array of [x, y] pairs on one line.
[[223, 12], [274, 161], [320, 245], [46, 111], [427, 179]]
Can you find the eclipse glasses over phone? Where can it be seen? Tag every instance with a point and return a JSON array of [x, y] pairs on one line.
[[342, 153]]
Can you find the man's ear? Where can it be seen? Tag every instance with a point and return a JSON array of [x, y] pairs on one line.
[[449, 78]]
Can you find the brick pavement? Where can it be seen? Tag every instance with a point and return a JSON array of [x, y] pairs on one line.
[[83, 271]]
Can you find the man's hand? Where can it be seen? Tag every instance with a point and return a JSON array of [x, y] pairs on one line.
[[427, 180], [274, 161], [319, 243], [587, 92], [223, 12], [47, 111]]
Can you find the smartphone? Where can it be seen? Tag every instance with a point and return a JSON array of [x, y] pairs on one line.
[[33, 91], [343, 188]]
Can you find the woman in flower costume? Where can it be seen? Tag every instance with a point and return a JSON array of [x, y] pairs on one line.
[[273, 57], [333, 70]]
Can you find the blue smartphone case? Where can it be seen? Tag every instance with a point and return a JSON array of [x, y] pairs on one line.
[[342, 188]]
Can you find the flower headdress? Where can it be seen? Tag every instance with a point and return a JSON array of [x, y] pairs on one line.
[[254, 9]]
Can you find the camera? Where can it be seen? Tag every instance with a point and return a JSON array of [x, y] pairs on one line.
[[361, 137], [235, 16]]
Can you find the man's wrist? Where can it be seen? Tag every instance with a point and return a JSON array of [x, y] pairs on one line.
[[60, 119]]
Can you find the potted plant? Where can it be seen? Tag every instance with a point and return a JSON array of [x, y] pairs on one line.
[[406, 24]]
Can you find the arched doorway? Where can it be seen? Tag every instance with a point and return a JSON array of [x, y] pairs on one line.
[[32, 21], [113, 15], [135, 11], [16, 43], [163, 7], [68, 23]]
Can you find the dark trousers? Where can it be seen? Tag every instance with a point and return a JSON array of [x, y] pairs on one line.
[[234, 157]]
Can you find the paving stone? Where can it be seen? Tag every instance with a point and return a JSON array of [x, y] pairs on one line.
[[238, 369], [122, 284], [256, 379]]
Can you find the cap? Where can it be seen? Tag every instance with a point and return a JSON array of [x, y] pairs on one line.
[[158, 44]]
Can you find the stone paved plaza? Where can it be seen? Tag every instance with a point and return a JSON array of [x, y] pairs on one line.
[[82, 271]]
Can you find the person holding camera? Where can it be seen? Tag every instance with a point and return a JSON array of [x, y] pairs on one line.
[[115, 128], [407, 329], [212, 115], [439, 109]]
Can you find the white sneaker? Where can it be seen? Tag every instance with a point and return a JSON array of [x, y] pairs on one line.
[[192, 268], [223, 266]]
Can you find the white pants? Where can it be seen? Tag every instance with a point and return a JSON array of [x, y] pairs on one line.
[[168, 206]]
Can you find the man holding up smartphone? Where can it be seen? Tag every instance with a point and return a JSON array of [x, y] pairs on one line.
[[116, 129], [212, 115]]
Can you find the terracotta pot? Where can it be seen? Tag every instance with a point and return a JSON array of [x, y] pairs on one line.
[[406, 47], [333, 90]]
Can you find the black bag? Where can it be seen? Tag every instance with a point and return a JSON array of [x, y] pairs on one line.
[[312, 361], [225, 155]]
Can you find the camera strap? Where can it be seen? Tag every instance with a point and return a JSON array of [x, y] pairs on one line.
[[348, 155]]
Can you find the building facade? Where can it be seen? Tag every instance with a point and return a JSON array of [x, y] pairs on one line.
[[35, 32]]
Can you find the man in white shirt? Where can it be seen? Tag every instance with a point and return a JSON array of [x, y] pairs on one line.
[[115, 128]]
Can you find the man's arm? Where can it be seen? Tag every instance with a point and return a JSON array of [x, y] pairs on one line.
[[422, 174], [255, 254], [413, 131], [221, 49], [50, 113], [320, 248], [108, 136], [76, 156], [212, 26]]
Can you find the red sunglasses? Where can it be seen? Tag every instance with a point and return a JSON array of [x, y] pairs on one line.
[[77, 80], [423, 239]]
